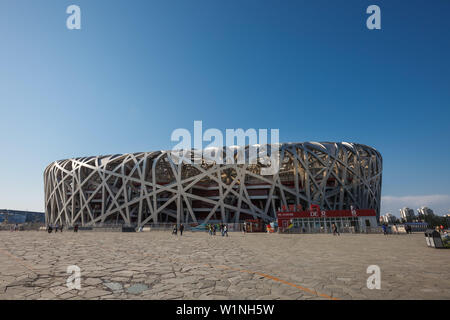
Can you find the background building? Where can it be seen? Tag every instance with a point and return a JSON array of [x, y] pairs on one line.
[[388, 218], [148, 187], [423, 212], [407, 214], [18, 216]]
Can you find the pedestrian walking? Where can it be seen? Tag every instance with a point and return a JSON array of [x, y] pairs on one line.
[[384, 229], [225, 230], [335, 229], [75, 228], [214, 229], [61, 228], [174, 230], [181, 229]]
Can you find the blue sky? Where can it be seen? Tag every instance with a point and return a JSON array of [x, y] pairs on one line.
[[137, 70]]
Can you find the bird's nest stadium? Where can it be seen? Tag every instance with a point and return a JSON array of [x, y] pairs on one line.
[[143, 188]]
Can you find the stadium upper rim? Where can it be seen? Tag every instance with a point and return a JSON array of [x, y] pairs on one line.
[[325, 146]]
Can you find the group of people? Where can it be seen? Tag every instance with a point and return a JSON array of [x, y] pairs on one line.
[[212, 228], [175, 229], [395, 229], [56, 227]]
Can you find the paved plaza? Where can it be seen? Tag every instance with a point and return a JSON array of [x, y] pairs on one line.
[[158, 265]]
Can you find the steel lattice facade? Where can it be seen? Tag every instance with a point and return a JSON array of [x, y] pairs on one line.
[[148, 187]]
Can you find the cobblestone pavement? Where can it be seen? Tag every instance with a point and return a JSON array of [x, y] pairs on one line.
[[158, 265]]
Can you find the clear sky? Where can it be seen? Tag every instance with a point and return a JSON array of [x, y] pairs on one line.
[[137, 70]]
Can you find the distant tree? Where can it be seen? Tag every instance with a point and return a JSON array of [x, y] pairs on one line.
[[435, 221]]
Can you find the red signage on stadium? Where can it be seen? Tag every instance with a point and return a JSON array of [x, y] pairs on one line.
[[326, 214], [292, 212]]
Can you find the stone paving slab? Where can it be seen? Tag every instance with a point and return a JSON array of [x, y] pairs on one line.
[[159, 265]]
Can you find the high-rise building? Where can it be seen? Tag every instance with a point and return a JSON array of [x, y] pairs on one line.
[[407, 214], [388, 218], [424, 211]]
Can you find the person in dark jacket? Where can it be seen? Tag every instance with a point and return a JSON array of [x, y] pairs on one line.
[[181, 229], [335, 229]]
